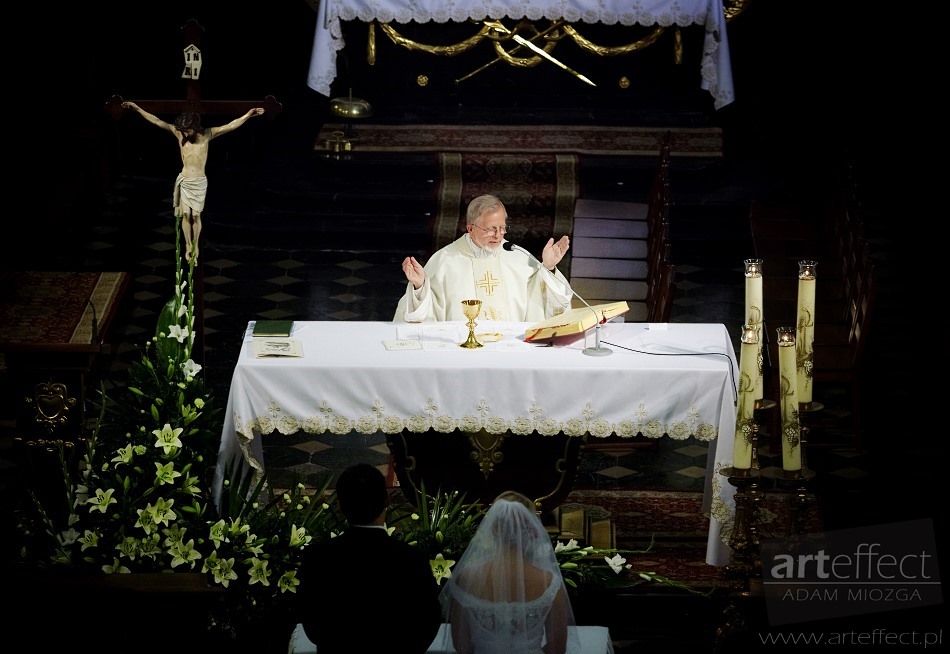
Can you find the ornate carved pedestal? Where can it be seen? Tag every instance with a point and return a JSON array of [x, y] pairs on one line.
[[482, 465]]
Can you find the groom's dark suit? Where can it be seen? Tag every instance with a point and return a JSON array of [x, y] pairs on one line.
[[365, 591]]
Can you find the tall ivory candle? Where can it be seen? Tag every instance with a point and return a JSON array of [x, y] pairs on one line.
[[748, 370], [805, 321], [788, 385], [755, 316]]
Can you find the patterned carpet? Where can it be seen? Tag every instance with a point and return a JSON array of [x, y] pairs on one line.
[[538, 190]]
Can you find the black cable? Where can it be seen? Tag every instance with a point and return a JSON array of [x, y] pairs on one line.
[[735, 390]]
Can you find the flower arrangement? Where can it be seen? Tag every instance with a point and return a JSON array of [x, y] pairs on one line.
[[139, 499], [258, 549], [607, 567], [444, 524]]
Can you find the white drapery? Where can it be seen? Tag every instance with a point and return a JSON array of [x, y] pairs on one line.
[[716, 66]]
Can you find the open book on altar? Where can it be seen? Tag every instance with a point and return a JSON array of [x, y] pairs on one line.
[[573, 323], [277, 347]]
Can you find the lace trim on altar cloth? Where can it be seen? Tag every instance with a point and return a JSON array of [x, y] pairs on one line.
[[686, 12], [327, 419]]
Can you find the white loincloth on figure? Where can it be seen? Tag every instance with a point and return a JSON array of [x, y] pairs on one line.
[[190, 193]]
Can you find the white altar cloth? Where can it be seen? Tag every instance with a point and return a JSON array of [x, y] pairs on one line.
[[671, 379], [716, 66]]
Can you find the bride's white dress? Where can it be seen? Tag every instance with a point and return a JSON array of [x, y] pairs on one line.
[[509, 628]]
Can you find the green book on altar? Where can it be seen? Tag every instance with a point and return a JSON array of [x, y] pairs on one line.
[[273, 328]]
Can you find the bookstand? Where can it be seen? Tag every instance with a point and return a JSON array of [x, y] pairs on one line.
[[572, 325]]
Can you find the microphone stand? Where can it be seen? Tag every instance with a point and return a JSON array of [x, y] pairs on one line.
[[597, 350]]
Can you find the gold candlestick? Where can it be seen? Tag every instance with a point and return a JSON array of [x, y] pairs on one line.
[[471, 308], [744, 539], [797, 499]]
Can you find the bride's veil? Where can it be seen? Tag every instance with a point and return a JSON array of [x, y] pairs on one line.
[[506, 593]]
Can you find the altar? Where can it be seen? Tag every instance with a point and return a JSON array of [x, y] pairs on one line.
[[715, 63], [413, 381]]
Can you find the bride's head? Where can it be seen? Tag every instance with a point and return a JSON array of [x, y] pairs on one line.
[[515, 496], [514, 522]]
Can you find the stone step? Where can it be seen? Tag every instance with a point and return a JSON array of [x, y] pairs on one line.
[[611, 290], [608, 268], [609, 248], [610, 209], [609, 227]]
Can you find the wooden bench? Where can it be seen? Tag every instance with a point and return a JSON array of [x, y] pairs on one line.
[[53, 329]]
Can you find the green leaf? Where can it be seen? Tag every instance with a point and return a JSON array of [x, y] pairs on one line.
[[167, 348]]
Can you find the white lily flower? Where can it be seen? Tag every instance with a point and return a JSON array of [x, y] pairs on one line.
[[566, 547], [615, 562]]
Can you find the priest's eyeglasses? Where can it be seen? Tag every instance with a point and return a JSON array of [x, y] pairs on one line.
[[494, 231]]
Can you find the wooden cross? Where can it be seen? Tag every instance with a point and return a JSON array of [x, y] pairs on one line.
[[193, 103], [192, 31]]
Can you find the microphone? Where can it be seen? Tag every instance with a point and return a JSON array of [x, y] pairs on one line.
[[595, 351]]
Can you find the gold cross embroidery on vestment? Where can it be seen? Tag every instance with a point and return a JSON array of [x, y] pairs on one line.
[[488, 282]]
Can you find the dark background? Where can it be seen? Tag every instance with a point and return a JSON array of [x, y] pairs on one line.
[[811, 82]]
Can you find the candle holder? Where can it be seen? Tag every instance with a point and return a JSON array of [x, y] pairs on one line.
[[744, 539], [797, 500], [753, 267], [806, 268], [786, 336]]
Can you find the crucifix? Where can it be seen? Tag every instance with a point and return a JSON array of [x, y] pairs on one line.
[[191, 32], [191, 185]]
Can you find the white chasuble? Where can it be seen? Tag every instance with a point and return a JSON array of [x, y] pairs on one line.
[[510, 285], [490, 288]]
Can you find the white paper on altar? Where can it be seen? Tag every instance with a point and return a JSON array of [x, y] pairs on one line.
[[715, 66], [434, 336]]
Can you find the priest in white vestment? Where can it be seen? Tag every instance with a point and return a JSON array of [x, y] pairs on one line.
[[510, 283]]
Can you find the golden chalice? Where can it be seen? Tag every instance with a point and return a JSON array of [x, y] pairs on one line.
[[471, 308]]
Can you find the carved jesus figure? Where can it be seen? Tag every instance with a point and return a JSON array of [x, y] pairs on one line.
[[191, 186]]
